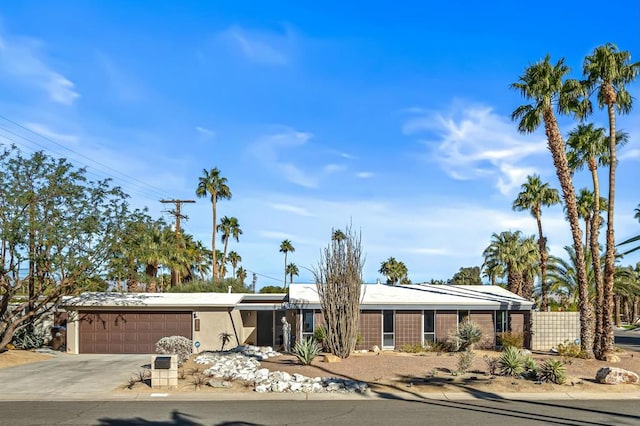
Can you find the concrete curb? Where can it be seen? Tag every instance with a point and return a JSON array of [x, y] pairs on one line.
[[254, 396]]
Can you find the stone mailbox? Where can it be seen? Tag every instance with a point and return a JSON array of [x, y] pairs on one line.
[[164, 371]]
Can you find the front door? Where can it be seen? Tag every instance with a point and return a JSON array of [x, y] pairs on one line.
[[265, 328]]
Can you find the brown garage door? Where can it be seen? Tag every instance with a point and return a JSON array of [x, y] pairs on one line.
[[129, 332]]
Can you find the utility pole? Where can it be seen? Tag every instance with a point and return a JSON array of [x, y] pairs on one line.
[[178, 216]]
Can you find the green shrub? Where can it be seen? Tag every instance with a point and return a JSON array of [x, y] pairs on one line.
[[570, 349], [320, 334], [553, 371], [530, 367], [23, 339], [465, 360], [511, 339], [412, 348], [511, 362], [468, 335], [306, 350]]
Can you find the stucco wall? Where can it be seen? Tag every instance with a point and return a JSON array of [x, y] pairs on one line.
[[73, 345], [214, 322], [249, 327]]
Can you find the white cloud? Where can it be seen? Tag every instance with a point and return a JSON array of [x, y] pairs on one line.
[[269, 150], [333, 168], [365, 175], [276, 235], [49, 133], [205, 133], [630, 154], [268, 48], [22, 60], [300, 211], [476, 143]]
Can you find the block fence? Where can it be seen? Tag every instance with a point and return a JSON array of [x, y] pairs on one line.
[[550, 328]]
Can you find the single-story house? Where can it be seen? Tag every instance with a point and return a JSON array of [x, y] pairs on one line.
[[390, 317]]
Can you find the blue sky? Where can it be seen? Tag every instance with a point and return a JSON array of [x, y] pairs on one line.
[[394, 117]]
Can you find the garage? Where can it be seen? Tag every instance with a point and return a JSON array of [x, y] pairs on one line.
[[129, 332]]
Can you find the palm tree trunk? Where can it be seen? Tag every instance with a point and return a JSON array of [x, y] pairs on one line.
[[214, 264], [617, 310], [607, 306], [634, 316], [558, 152], [542, 246], [285, 269], [594, 246], [226, 245]]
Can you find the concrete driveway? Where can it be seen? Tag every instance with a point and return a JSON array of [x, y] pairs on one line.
[[75, 376]]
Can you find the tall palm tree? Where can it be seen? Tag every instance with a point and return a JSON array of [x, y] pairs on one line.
[[532, 197], [626, 289], [234, 259], [395, 271], [292, 269], [286, 247], [586, 209], [517, 257], [544, 84], [212, 183], [230, 228], [241, 274], [608, 71]]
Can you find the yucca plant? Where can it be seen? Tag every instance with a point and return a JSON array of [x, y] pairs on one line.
[[531, 367], [553, 371], [511, 362], [465, 360], [306, 350], [468, 335]]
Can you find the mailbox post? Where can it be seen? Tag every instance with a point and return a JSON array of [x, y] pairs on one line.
[[164, 371]]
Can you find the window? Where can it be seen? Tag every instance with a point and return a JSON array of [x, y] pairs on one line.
[[463, 316], [502, 324], [428, 326], [388, 327], [307, 323]]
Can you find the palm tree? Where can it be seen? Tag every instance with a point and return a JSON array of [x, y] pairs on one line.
[[608, 71], [292, 269], [586, 209], [395, 272], [215, 185], [338, 235], [532, 197], [544, 84], [517, 257], [626, 290], [230, 228], [563, 279], [286, 247], [241, 274], [588, 145], [633, 239], [234, 259]]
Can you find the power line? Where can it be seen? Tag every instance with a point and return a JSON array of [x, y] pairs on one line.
[[131, 178]]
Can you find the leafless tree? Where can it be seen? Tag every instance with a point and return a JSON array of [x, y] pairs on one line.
[[339, 281]]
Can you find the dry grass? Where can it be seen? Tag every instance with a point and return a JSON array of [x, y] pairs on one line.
[[19, 357]]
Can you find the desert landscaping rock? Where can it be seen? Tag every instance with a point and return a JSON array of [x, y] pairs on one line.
[[242, 364], [616, 376]]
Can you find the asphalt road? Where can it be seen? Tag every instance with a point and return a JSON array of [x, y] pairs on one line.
[[629, 340], [378, 412]]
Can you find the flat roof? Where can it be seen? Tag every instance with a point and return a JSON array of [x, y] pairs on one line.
[[131, 300], [419, 296]]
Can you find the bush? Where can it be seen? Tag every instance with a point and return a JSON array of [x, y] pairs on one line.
[[306, 350], [511, 339], [468, 335], [530, 367], [320, 334], [465, 359], [553, 371], [22, 339], [412, 348], [570, 349], [175, 345], [511, 362], [492, 364]]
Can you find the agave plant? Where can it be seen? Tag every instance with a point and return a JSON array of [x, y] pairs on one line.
[[306, 350], [468, 335], [511, 362], [553, 371]]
